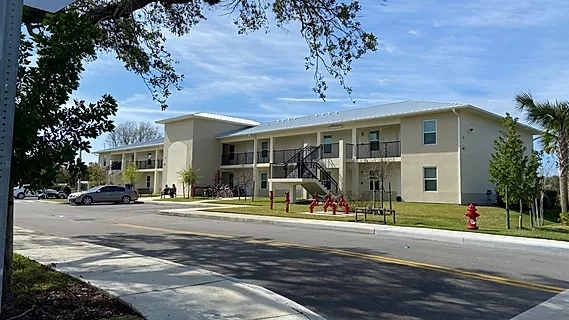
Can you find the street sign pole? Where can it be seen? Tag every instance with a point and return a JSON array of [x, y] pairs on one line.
[[10, 24]]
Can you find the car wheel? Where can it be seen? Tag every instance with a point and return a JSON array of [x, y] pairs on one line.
[[87, 200], [20, 195], [125, 199]]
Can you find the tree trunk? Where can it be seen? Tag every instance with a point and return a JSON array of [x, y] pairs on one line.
[[541, 207], [520, 219], [9, 250], [531, 214], [562, 162]]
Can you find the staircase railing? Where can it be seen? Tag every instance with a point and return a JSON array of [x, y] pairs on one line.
[[325, 175]]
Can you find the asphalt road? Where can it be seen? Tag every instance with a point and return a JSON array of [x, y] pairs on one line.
[[373, 282]]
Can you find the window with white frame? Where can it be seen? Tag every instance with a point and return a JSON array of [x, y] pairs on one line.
[[148, 181], [374, 140], [430, 179], [264, 180], [374, 180], [429, 132], [327, 144]]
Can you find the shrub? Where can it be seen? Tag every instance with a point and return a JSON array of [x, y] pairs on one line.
[[564, 218]]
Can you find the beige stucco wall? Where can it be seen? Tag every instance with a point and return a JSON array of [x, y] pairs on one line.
[[477, 148], [388, 133], [443, 155]]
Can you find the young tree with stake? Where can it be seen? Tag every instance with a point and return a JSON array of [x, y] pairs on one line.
[[131, 175], [188, 177]]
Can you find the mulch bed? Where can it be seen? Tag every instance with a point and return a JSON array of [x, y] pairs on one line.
[[40, 293]]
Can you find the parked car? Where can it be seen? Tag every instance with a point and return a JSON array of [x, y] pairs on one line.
[[21, 192], [51, 194], [104, 193]]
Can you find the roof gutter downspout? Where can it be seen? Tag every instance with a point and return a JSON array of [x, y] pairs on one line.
[[459, 153]]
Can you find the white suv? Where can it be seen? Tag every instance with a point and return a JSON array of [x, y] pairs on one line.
[[23, 192]]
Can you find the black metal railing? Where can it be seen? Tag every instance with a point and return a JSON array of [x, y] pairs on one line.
[[145, 164], [379, 149], [263, 156], [330, 150], [116, 165], [281, 156], [237, 158], [159, 163]]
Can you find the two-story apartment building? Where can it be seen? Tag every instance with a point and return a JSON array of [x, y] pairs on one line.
[[426, 151]]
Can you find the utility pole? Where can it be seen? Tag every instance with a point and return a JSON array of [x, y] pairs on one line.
[[10, 26]]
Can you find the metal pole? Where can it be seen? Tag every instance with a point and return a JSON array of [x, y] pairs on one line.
[[79, 179], [10, 24]]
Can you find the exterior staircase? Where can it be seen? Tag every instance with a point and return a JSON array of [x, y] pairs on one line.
[[306, 165]]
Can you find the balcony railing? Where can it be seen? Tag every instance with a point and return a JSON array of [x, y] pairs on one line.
[[349, 150], [116, 165], [379, 149], [146, 164], [281, 156], [263, 156], [237, 158], [330, 150], [160, 163]]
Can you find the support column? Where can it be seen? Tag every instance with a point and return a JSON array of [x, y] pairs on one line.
[[293, 194], [304, 192], [156, 159], [271, 150], [355, 142], [156, 186], [342, 167], [123, 162], [255, 185]]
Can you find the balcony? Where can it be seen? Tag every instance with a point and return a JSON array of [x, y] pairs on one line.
[[160, 163], [116, 165], [330, 151], [378, 150], [281, 156], [237, 158], [263, 156], [146, 164]]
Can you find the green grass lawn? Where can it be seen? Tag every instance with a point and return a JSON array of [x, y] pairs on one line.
[[438, 216], [42, 293]]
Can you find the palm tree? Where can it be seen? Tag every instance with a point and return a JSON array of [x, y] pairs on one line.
[[553, 118]]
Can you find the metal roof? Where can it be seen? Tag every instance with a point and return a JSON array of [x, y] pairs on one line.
[[149, 143], [211, 116], [328, 118]]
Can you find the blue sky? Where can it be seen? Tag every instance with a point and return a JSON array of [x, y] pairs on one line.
[[480, 52]]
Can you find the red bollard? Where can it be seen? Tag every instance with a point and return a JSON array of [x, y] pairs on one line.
[[287, 201], [314, 203], [271, 198], [472, 215], [347, 208], [327, 203], [333, 208]]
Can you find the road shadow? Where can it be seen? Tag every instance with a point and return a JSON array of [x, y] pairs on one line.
[[335, 286]]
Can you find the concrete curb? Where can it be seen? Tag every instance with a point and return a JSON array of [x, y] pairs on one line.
[[417, 233]]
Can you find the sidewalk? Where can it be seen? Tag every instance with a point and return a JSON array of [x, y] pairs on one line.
[[156, 288], [555, 308], [459, 237]]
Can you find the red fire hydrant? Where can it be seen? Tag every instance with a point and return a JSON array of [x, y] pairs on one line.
[[328, 202], [314, 203], [472, 215], [334, 206], [271, 198], [287, 201]]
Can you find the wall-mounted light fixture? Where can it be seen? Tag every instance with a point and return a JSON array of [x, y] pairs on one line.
[[336, 126]]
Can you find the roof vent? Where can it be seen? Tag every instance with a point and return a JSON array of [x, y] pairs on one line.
[[323, 114], [329, 113], [316, 115], [336, 112]]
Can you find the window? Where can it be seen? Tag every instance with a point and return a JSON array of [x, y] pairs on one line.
[[148, 181], [430, 179], [264, 180], [429, 132], [374, 180], [327, 145], [264, 149], [374, 140]]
